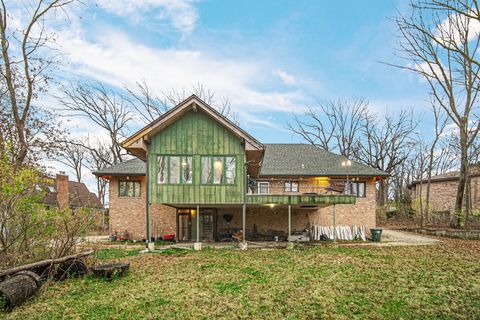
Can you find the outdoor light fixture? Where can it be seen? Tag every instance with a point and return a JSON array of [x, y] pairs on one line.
[[347, 164]]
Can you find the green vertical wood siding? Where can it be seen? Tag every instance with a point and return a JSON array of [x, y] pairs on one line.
[[196, 134]]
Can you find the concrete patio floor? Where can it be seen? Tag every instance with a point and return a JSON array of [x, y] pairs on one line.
[[389, 238]]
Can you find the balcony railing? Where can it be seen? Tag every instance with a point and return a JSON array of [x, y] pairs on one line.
[[301, 190]]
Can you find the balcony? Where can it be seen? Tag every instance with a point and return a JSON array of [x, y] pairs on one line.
[[311, 196]]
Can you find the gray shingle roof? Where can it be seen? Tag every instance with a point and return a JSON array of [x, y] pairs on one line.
[[308, 160], [130, 167], [279, 160]]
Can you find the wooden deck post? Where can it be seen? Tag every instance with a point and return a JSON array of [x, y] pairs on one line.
[[334, 224], [244, 207], [198, 223], [198, 245], [289, 222]]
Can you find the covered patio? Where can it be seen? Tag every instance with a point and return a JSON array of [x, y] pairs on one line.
[[200, 223]]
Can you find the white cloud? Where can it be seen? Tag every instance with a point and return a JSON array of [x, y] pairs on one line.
[[119, 60], [180, 13], [287, 78]]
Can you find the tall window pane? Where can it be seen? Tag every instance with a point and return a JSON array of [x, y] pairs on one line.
[[162, 169], [361, 189], [206, 170], [174, 169], [217, 170], [230, 170], [294, 186], [122, 191], [187, 170], [136, 192], [129, 189]]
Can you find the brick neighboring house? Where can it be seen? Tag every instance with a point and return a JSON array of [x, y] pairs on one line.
[[193, 162], [62, 193], [443, 191]]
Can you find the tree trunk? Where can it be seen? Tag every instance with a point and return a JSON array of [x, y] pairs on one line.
[[468, 198], [459, 201], [17, 289], [421, 203]]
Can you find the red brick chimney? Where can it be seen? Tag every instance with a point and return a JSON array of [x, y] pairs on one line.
[[62, 190]]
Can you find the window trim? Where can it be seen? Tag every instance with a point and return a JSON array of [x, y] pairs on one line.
[[268, 187], [132, 181], [291, 186], [357, 183]]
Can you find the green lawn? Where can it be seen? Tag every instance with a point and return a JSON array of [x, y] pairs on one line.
[[341, 283]]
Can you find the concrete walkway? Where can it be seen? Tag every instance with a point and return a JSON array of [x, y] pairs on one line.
[[403, 238], [389, 238]]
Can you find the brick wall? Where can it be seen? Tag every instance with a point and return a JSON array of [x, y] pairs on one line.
[[127, 214], [272, 220], [443, 194]]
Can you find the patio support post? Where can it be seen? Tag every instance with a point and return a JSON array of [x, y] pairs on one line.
[[198, 223], [244, 207], [150, 244], [289, 221], [198, 245], [334, 225]]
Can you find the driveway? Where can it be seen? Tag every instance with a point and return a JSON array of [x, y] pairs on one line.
[[404, 238]]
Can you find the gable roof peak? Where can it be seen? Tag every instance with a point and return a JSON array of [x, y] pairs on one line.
[[136, 143]]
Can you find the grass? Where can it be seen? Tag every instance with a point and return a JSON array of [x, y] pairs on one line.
[[427, 282]]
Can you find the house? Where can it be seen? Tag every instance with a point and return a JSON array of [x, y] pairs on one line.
[[62, 193], [201, 177], [443, 192]]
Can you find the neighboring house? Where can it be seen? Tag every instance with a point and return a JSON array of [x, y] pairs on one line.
[[193, 162], [443, 191], [62, 193]]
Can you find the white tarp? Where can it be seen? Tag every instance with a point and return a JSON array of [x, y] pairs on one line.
[[343, 232]]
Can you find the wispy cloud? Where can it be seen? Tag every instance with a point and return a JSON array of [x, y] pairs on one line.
[[287, 78], [117, 59], [182, 14]]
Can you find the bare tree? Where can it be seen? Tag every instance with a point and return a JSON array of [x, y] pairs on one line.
[[72, 154], [440, 123], [442, 48], [148, 106], [107, 109], [334, 126], [386, 144], [24, 66]]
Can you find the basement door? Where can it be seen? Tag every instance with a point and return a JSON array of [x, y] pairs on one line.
[[187, 225]]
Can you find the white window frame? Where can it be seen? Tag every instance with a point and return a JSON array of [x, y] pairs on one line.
[[263, 183]]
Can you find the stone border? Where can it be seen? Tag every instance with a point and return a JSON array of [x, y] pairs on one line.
[[456, 234]]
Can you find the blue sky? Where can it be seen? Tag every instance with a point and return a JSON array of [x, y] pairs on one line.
[[271, 58]]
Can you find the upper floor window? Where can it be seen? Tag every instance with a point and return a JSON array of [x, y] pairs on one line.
[[290, 186], [129, 189], [263, 188], [175, 169], [357, 189], [218, 170]]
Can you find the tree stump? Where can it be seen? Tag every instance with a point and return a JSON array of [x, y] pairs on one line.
[[111, 270], [71, 268], [16, 289]]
